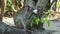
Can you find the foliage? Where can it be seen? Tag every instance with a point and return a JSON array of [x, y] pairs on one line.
[[44, 19], [35, 21], [17, 4], [58, 4], [9, 5]]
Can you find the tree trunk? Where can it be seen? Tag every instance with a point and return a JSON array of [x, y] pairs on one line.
[[2, 8], [58, 6], [53, 4]]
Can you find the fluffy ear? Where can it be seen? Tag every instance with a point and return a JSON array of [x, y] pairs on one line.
[[29, 3], [41, 3]]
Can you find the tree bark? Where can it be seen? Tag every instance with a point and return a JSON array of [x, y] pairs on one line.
[[58, 6], [2, 8]]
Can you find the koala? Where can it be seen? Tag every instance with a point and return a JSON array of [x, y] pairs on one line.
[[31, 10], [22, 16]]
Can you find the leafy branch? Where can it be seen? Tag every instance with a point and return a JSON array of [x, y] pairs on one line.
[[44, 19]]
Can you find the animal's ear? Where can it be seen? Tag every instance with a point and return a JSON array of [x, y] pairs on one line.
[[35, 1], [29, 3], [42, 3]]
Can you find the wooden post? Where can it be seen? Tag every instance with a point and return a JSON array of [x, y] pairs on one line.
[[58, 6], [53, 4], [2, 8]]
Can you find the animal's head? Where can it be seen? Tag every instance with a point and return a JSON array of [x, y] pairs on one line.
[[38, 12], [35, 6]]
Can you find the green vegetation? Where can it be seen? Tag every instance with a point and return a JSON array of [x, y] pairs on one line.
[[44, 19], [58, 4], [9, 4]]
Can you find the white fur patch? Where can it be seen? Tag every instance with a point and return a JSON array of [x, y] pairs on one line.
[[35, 11]]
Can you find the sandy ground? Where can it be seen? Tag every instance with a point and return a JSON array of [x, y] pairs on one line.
[[8, 21]]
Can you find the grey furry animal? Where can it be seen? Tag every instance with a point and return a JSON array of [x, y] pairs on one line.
[[29, 10], [21, 17]]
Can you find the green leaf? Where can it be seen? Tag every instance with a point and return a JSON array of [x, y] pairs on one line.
[[31, 23], [48, 23]]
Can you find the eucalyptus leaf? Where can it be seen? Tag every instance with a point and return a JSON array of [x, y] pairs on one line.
[[31, 24]]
